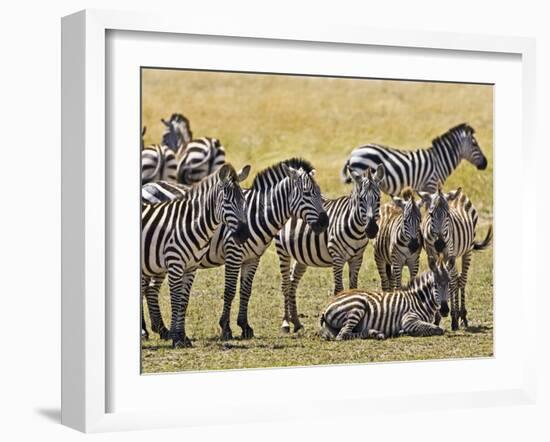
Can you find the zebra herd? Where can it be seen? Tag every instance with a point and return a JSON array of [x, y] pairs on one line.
[[195, 215]]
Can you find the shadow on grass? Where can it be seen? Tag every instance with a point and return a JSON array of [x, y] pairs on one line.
[[479, 329]]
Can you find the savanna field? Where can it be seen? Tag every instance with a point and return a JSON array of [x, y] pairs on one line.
[[263, 119]]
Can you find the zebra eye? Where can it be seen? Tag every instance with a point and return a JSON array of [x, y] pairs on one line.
[[307, 192]]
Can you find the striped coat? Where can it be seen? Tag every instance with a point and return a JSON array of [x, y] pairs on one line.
[[419, 169], [284, 190], [369, 314], [399, 241], [449, 228], [175, 235], [199, 158], [352, 222]]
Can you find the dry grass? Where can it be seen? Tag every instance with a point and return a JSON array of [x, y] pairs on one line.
[[262, 119]]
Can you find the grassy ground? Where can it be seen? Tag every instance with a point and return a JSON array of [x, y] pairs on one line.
[[263, 119]]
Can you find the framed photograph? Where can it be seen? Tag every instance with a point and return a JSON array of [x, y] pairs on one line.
[[304, 205]]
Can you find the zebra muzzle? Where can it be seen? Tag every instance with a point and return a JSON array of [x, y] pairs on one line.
[[372, 229], [444, 309], [321, 224], [413, 245], [439, 245], [242, 233]]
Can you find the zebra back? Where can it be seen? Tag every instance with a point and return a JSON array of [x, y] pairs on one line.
[[158, 162], [200, 158]]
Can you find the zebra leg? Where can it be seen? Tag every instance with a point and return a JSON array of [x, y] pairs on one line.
[[352, 319], [297, 272], [413, 263], [437, 318], [248, 270], [354, 267], [144, 332], [396, 274], [466, 260], [284, 266], [412, 325], [382, 271], [180, 283], [232, 268], [453, 292], [152, 296], [338, 270]]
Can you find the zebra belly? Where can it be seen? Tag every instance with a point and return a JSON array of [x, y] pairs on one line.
[[299, 241]]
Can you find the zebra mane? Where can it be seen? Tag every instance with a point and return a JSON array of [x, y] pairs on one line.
[[419, 281], [277, 171], [453, 131]]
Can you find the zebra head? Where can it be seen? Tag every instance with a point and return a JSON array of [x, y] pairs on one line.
[[365, 197], [442, 281], [306, 201], [469, 147], [410, 231], [177, 132], [231, 207], [438, 217]]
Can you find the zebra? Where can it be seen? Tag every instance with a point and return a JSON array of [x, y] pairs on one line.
[[175, 235], [162, 191], [282, 191], [160, 161], [420, 169], [399, 240], [352, 222], [177, 134], [201, 157], [369, 314], [449, 229]]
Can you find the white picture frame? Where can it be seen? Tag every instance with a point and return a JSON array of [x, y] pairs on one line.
[[86, 213]]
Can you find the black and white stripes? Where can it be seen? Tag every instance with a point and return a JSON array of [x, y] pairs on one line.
[[380, 315], [175, 234], [419, 169]]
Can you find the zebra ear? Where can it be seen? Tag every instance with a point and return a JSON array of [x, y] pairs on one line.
[[380, 172], [425, 197], [243, 173], [454, 194], [312, 173], [398, 202], [356, 176], [289, 171], [165, 122], [224, 172]]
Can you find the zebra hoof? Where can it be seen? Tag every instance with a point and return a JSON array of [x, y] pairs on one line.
[[298, 327], [439, 331], [164, 334], [285, 329], [380, 336], [184, 342], [227, 335], [247, 333], [144, 335]]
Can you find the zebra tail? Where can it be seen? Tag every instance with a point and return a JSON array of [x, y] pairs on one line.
[[346, 179], [326, 331], [486, 242]]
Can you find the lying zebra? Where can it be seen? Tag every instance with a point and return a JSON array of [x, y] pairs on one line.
[[367, 314], [399, 240], [420, 169], [450, 228]]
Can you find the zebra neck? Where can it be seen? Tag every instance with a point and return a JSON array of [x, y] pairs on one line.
[[423, 291], [272, 206], [446, 155]]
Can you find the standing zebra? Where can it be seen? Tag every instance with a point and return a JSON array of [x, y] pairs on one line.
[[352, 222], [159, 161], [177, 133], [420, 169], [200, 158], [399, 240], [175, 235], [284, 190], [449, 228], [367, 314]]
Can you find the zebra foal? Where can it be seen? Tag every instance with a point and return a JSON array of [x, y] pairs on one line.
[[399, 241], [352, 221], [449, 228], [175, 235], [368, 314], [420, 169]]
